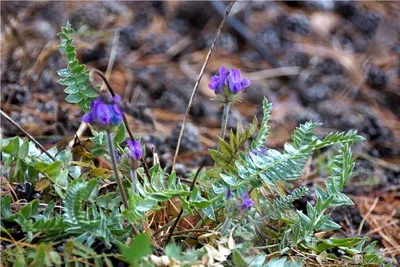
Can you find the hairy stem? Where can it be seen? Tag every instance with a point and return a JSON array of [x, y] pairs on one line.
[[133, 179], [225, 227], [116, 172], [224, 120]]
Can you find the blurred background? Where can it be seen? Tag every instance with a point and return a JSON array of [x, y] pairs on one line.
[[336, 62]]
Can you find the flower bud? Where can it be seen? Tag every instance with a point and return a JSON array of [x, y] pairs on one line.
[[135, 149]]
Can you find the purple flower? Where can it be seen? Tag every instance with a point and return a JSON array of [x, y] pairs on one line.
[[260, 151], [236, 82], [218, 81], [117, 156], [228, 194], [246, 202], [103, 114], [135, 148]]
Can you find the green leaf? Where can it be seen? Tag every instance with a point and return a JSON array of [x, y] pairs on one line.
[[283, 262], [139, 247], [20, 260], [329, 226], [75, 196], [72, 89], [104, 200], [120, 134], [146, 205], [238, 259], [218, 157], [258, 260], [173, 251], [63, 73], [53, 169], [209, 212], [40, 255], [74, 98], [23, 150], [224, 147], [260, 140], [5, 203]]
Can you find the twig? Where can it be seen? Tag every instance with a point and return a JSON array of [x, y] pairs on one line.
[[246, 33], [366, 215], [171, 231], [30, 138], [228, 9]]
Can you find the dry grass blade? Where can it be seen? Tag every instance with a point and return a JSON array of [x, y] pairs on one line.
[[228, 9]]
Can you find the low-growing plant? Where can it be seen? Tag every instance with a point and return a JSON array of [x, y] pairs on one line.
[[241, 212]]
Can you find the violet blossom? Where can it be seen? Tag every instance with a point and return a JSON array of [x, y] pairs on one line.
[[104, 115], [236, 82], [135, 149], [246, 202], [217, 82], [228, 84]]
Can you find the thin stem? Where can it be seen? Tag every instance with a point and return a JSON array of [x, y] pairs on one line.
[[116, 172], [128, 129], [133, 179], [224, 120], [226, 225], [30, 137], [228, 9], [171, 231]]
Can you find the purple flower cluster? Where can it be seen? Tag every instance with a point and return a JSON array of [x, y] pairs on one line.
[[232, 79], [135, 149], [102, 114]]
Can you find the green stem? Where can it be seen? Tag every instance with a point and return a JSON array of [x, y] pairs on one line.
[[133, 179], [116, 172], [225, 227], [224, 120]]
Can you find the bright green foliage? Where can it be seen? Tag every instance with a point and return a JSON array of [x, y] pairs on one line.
[[75, 76], [139, 247], [278, 208], [28, 162], [151, 193], [227, 153], [259, 142]]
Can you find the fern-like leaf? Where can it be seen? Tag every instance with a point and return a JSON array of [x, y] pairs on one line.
[[259, 142], [56, 224], [277, 209], [303, 134], [74, 198], [342, 169], [277, 168], [227, 153], [75, 76]]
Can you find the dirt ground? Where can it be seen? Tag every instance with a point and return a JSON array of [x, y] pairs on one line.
[[333, 62]]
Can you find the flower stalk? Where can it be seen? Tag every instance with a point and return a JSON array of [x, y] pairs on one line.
[[115, 168], [224, 122]]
